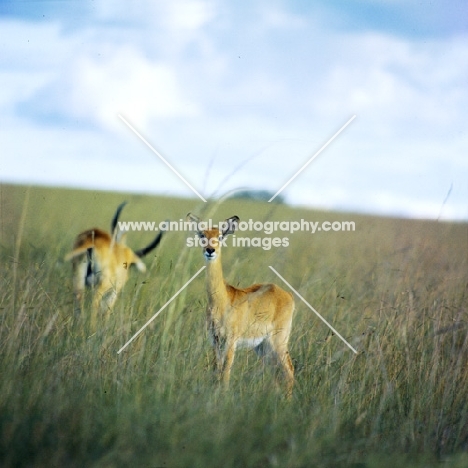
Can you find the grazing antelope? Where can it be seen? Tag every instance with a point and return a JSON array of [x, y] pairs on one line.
[[102, 261], [258, 317]]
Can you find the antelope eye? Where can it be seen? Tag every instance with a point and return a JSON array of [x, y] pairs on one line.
[[220, 238], [201, 236]]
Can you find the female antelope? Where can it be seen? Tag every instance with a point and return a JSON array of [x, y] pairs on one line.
[[102, 261], [258, 317]]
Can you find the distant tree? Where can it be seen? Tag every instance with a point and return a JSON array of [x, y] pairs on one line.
[[259, 195]]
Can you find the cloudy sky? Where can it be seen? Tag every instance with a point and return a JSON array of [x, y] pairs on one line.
[[241, 94]]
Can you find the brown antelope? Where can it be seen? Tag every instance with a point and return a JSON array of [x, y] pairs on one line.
[[259, 316], [102, 261]]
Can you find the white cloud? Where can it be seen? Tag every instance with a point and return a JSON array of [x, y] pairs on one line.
[[96, 89], [182, 14], [274, 17], [126, 82], [189, 14], [203, 84], [399, 84]]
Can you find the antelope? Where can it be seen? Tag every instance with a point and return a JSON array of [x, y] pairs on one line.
[[101, 261], [258, 317]]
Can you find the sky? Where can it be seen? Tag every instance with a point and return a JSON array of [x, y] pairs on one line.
[[239, 95]]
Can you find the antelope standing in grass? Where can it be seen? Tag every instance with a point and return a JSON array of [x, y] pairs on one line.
[[259, 316], [102, 261]]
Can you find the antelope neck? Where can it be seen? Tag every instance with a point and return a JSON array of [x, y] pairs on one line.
[[215, 281]]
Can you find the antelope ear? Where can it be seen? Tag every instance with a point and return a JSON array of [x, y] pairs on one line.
[[194, 222], [230, 225]]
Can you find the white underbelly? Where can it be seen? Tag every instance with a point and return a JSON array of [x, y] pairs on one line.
[[248, 342]]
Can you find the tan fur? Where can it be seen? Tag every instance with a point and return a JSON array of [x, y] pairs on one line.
[[261, 313], [101, 261], [110, 260]]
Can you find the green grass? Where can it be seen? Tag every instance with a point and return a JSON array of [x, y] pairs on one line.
[[395, 289]]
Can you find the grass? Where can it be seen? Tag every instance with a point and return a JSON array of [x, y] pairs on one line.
[[395, 289]]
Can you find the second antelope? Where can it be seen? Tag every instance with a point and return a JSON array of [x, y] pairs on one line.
[[102, 261], [259, 316]]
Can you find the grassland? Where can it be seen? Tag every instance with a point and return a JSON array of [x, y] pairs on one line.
[[396, 289]]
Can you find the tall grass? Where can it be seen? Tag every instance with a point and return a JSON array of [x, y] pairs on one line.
[[396, 289]]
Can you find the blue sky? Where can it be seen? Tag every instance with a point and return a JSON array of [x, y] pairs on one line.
[[214, 85]]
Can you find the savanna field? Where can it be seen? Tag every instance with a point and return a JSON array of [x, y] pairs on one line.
[[397, 290]]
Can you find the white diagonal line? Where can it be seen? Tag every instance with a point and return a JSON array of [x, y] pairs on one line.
[[313, 310], [161, 309], [160, 157], [312, 158]]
